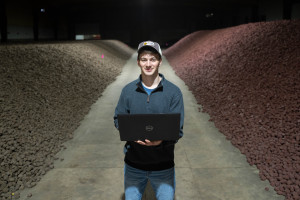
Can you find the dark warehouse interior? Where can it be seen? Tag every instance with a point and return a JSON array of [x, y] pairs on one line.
[[129, 21], [63, 64]]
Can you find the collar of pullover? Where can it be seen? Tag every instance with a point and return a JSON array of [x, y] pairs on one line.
[[160, 85]]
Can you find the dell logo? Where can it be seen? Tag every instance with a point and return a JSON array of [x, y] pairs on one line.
[[149, 128]]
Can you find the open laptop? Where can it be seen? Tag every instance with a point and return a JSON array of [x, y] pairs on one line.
[[133, 127]]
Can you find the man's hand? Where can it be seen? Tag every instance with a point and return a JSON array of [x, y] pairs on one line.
[[149, 143]]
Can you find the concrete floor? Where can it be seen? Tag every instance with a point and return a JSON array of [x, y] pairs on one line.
[[208, 167]]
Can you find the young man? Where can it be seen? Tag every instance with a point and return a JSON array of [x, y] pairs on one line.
[[150, 160]]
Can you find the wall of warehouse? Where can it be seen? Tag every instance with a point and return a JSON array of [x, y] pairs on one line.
[[131, 24]]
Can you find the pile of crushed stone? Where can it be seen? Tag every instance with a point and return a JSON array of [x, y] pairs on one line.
[[247, 78], [46, 90]]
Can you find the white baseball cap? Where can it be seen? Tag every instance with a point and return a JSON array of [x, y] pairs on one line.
[[151, 44]]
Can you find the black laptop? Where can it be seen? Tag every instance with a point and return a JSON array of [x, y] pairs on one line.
[[133, 127]]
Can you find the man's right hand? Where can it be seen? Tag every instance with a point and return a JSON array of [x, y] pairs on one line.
[[149, 143]]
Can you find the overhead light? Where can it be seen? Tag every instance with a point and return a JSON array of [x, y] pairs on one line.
[[209, 15], [43, 10]]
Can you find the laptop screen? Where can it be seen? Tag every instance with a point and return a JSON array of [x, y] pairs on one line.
[[133, 127]]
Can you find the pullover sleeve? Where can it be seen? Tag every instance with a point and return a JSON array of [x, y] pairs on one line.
[[178, 107], [122, 108]]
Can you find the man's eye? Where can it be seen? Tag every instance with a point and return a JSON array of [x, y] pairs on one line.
[[151, 60]]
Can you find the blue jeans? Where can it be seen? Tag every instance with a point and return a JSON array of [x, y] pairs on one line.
[[135, 181]]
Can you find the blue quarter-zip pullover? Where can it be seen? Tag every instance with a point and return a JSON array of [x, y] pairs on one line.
[[166, 98]]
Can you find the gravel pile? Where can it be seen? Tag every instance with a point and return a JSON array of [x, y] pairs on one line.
[[247, 78], [46, 90]]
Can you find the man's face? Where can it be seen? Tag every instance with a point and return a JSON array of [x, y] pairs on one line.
[[149, 63]]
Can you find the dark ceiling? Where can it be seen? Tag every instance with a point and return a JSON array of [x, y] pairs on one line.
[[205, 3]]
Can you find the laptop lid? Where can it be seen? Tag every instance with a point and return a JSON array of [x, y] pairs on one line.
[[133, 127]]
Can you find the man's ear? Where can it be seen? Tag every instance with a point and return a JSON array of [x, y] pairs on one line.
[[138, 63]]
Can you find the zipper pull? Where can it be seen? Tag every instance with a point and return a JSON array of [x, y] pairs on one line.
[[148, 98]]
